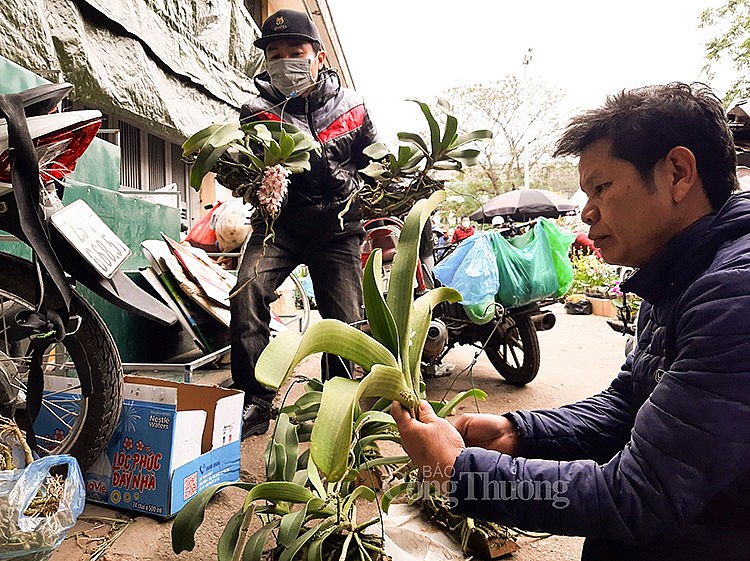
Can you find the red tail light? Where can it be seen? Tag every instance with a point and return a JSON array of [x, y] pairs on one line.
[[58, 151]]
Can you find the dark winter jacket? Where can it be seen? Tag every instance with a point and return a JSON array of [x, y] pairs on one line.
[[657, 466], [337, 118]]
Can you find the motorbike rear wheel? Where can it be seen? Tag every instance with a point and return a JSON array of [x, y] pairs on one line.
[[68, 422], [513, 349]]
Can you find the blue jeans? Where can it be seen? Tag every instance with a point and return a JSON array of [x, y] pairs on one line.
[[336, 272]]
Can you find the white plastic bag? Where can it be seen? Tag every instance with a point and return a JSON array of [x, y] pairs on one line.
[[28, 538], [232, 224]]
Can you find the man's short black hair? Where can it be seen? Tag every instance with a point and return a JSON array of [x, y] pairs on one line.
[[644, 124]]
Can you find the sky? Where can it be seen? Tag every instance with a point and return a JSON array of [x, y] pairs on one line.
[[586, 48]]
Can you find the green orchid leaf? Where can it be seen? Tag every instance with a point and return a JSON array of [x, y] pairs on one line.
[[448, 165], [381, 405], [315, 480], [444, 104], [290, 526], [256, 543], [376, 170], [275, 461], [411, 165], [448, 408], [332, 431], [362, 491], [286, 144], [315, 551], [262, 131], [212, 149], [468, 156], [285, 451], [229, 537], [272, 155], [371, 417], [298, 167], [392, 494], [300, 476], [400, 289], [190, 517], [449, 135], [481, 134], [388, 382], [388, 437], [290, 552], [415, 140], [379, 317], [287, 349], [255, 161], [405, 152], [279, 491], [385, 461], [376, 151], [433, 124], [310, 397], [198, 140]]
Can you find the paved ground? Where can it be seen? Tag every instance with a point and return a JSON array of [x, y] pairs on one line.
[[580, 355]]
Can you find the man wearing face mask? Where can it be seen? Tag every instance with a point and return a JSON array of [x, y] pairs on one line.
[[296, 88]]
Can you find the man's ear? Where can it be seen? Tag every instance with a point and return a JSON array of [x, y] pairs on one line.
[[682, 168]]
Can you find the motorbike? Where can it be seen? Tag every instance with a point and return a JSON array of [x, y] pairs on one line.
[[509, 339], [58, 360]]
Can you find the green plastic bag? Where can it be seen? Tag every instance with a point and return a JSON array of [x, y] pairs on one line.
[[532, 266], [559, 244]]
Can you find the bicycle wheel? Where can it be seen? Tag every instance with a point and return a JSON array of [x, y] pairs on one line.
[[68, 422], [294, 304]]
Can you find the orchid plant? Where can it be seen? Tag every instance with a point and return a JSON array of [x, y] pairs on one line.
[[308, 502], [402, 178], [254, 160]]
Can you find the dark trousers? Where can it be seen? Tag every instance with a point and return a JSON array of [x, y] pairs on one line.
[[336, 272]]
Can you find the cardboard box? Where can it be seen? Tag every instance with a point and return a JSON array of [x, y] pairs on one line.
[[602, 307], [173, 440]]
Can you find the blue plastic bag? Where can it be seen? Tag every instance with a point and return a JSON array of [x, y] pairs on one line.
[[27, 537], [488, 268], [470, 269]]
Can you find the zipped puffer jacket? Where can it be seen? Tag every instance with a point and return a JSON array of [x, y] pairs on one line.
[[657, 466], [338, 119]]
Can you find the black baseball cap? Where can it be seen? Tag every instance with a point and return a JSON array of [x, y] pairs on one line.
[[287, 24]]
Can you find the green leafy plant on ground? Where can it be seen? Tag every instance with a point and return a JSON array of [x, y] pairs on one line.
[[592, 276]]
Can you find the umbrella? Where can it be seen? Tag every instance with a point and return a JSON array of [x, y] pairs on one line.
[[525, 204]]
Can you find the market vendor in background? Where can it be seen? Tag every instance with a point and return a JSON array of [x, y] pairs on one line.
[[657, 466], [463, 230], [298, 88]]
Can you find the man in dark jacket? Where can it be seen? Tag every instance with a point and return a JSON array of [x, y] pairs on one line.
[[297, 89], [657, 466]]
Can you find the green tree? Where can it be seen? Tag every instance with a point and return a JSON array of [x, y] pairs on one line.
[[731, 45]]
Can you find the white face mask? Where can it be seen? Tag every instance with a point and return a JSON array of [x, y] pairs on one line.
[[290, 75]]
